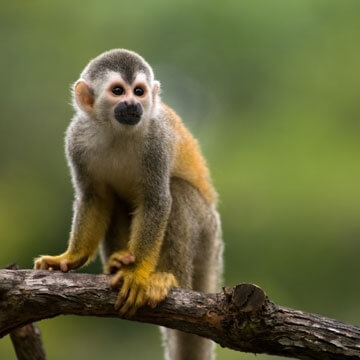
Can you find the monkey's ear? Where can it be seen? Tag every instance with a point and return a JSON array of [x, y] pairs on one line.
[[84, 96], [156, 88]]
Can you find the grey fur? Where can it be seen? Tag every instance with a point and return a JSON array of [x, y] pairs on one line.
[[125, 62], [108, 162]]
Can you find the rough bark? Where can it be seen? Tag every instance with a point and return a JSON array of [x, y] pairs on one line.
[[240, 318], [27, 343], [27, 340]]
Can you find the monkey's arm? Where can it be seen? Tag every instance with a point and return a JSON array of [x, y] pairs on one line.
[[141, 283], [91, 219]]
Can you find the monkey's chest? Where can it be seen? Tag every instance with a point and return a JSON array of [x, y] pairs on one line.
[[119, 169]]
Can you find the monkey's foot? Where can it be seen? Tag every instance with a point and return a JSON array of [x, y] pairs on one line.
[[117, 260], [138, 289], [63, 262]]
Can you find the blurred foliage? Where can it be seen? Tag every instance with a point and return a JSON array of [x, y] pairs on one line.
[[271, 89]]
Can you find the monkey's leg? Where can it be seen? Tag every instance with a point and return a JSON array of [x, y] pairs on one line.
[[113, 250], [206, 278], [183, 346], [89, 226], [191, 251]]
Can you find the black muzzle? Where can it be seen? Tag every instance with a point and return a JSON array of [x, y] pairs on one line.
[[128, 114]]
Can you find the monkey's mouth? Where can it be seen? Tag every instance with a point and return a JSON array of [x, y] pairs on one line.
[[128, 114]]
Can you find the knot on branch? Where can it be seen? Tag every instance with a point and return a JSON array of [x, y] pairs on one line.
[[246, 297]]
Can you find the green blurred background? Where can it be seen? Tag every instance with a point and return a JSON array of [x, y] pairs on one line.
[[271, 89]]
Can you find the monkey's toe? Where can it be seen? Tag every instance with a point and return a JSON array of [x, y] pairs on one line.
[[117, 260]]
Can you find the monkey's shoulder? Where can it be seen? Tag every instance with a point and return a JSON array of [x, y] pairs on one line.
[[188, 161]]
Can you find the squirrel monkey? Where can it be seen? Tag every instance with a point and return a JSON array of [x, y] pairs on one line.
[[142, 193]]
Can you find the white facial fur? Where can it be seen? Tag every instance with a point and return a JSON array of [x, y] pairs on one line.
[[106, 101]]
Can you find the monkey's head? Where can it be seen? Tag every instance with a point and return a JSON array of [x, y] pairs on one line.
[[117, 88]]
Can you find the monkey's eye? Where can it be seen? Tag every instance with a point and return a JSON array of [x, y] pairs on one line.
[[117, 90], [138, 91]]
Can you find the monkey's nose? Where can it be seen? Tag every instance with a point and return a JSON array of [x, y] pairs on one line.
[[128, 113]]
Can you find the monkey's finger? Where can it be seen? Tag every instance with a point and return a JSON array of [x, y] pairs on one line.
[[114, 262], [37, 264], [124, 293], [140, 301], [130, 301], [118, 303], [64, 266], [112, 267], [116, 279], [126, 288], [43, 265], [118, 260], [126, 260]]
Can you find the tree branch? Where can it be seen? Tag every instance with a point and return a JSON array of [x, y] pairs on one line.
[[27, 343], [27, 340], [242, 318]]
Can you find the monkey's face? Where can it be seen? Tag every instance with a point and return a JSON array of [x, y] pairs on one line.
[[129, 104], [114, 100]]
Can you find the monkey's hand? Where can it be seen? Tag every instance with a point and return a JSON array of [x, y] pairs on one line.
[[63, 262], [118, 260], [140, 288]]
